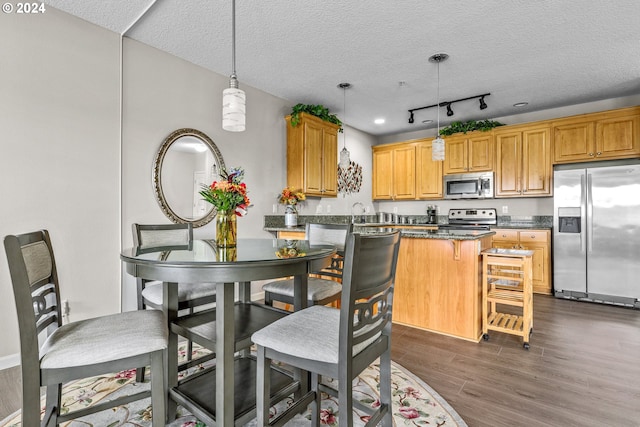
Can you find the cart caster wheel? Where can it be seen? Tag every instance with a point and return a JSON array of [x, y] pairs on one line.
[[485, 337], [526, 346]]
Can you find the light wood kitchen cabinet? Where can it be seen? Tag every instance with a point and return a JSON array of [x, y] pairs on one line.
[[312, 156], [394, 172], [438, 286], [473, 152], [428, 172], [538, 241], [523, 162], [599, 136]]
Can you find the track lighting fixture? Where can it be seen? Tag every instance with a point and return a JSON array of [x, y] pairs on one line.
[[483, 104], [449, 110], [448, 104]]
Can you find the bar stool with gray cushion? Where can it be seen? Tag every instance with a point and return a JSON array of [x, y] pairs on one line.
[[79, 349], [337, 343], [326, 288], [150, 295]]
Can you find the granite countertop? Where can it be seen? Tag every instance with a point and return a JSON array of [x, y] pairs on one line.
[[428, 234], [275, 223]]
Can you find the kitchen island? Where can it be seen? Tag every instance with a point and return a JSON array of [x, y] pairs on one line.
[[438, 280]]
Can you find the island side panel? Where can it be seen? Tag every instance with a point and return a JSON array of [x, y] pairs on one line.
[[438, 286]]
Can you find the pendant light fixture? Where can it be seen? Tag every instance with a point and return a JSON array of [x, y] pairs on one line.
[[344, 154], [437, 148], [233, 99]]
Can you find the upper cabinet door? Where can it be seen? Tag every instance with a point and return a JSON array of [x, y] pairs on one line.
[[330, 162], [508, 164], [536, 162], [617, 137], [428, 173], [382, 187], [404, 172], [481, 152], [455, 155]]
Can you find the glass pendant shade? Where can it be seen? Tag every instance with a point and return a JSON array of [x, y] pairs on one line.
[[344, 158], [233, 109], [437, 149]]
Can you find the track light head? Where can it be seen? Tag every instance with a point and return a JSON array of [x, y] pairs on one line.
[[449, 110], [411, 117], [483, 104]]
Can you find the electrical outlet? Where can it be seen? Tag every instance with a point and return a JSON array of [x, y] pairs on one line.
[[366, 209], [505, 209], [328, 208], [395, 209], [319, 209], [274, 209]]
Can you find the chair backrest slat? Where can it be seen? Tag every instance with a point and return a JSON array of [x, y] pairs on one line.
[[158, 235], [36, 292], [367, 295], [332, 234]]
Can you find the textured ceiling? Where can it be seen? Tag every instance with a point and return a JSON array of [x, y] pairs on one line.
[[549, 53]]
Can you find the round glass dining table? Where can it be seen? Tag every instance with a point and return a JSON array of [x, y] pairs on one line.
[[201, 261]]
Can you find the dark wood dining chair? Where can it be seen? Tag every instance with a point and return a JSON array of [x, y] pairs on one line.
[[337, 343], [325, 286], [150, 293], [52, 353]]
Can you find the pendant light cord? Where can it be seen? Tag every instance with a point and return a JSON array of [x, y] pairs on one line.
[[233, 39], [344, 114], [438, 99]]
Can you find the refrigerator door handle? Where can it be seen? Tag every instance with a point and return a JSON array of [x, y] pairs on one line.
[[583, 214], [589, 213]]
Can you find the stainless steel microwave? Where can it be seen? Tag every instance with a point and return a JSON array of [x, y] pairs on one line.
[[469, 186]]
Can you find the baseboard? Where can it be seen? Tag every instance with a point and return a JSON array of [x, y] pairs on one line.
[[9, 361], [257, 296]]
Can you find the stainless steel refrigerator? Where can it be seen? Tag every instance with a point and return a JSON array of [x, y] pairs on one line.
[[596, 232]]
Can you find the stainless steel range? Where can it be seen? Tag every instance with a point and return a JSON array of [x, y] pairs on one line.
[[471, 219]]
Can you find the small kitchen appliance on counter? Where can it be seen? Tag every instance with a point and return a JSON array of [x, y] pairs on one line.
[[471, 219], [432, 214]]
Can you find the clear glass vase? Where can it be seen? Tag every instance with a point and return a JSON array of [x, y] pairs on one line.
[[226, 229]]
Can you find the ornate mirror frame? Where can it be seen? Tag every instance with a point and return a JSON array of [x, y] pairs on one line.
[[157, 174]]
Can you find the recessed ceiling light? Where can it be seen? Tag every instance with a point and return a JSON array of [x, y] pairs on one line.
[[378, 121], [520, 104], [426, 122]]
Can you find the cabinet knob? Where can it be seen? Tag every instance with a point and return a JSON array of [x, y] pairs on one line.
[[591, 154], [533, 236], [598, 153]]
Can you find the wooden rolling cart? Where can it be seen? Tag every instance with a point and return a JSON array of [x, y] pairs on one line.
[[507, 279]]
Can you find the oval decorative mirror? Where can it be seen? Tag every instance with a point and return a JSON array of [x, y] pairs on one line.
[[186, 160]]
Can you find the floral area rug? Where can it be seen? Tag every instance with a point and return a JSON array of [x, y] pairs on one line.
[[414, 402]]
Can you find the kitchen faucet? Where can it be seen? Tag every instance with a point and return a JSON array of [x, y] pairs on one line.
[[360, 215]]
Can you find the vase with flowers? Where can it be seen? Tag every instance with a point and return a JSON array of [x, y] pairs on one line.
[[229, 197], [290, 199]]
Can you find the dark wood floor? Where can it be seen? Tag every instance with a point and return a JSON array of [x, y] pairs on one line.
[[583, 369]]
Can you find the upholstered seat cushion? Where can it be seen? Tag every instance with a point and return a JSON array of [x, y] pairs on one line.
[[186, 291], [105, 338], [318, 289], [312, 333]]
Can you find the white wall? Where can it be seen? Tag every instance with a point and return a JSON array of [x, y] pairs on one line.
[[59, 157]]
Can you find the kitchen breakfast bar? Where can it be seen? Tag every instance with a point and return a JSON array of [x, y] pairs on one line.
[[438, 277]]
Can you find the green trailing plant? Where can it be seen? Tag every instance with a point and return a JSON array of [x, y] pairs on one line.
[[319, 111], [470, 126]]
